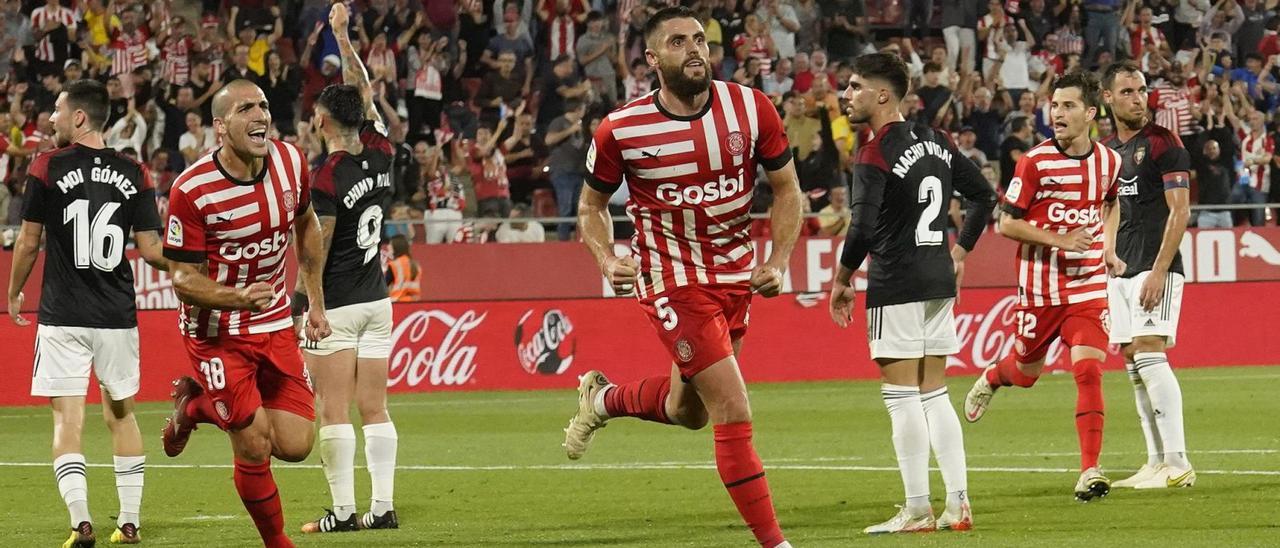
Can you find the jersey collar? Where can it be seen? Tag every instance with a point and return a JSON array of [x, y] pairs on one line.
[[1092, 144], [256, 178], [711, 98]]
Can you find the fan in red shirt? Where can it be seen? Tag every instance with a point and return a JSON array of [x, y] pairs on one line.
[[231, 216]]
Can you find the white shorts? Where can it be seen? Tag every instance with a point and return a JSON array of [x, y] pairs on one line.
[[64, 356], [364, 327], [913, 330], [1129, 320]]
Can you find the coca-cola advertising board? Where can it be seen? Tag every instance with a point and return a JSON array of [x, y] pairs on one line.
[[523, 345], [565, 270]]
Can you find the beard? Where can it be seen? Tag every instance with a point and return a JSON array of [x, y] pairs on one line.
[[685, 86]]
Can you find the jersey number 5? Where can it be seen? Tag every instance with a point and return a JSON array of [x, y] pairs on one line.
[[931, 196], [666, 314], [96, 243]]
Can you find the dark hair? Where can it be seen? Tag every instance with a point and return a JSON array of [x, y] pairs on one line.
[[1253, 55], [91, 97], [1109, 75], [932, 67], [1015, 125], [571, 105], [1085, 82], [666, 14], [594, 16], [883, 66], [399, 245], [196, 112], [345, 105]]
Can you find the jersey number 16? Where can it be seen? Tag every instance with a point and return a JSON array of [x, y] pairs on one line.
[[95, 242]]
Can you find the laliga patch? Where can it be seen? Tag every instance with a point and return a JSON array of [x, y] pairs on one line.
[[735, 143], [1015, 190], [684, 350], [173, 236], [591, 157]]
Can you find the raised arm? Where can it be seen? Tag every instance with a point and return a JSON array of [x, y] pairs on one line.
[[353, 71]]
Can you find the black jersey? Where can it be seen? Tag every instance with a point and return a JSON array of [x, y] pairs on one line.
[[356, 190], [1152, 162], [903, 183], [89, 201]]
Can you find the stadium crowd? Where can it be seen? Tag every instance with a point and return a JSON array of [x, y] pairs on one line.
[[491, 104]]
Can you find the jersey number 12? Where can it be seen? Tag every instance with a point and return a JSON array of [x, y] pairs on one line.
[[95, 242], [931, 196]]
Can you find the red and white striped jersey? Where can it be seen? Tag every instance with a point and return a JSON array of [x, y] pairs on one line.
[[691, 180], [177, 59], [1255, 145], [241, 230], [1060, 193], [42, 15], [1172, 106], [129, 51], [562, 37]]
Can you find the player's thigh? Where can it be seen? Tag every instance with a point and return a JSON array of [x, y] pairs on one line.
[[334, 379], [900, 372], [896, 333], [691, 323], [1121, 305], [933, 373], [227, 370], [371, 388], [723, 391], [115, 361], [115, 410], [292, 435], [1084, 331], [283, 379], [1161, 321], [63, 357]]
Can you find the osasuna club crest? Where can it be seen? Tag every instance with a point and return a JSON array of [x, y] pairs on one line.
[[1139, 154], [735, 142], [545, 344]]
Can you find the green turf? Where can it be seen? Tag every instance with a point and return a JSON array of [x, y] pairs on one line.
[[648, 485]]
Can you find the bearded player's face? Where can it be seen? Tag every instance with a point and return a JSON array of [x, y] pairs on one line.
[[679, 50], [244, 127], [63, 121]]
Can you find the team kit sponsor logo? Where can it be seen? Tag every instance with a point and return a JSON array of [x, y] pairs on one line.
[[1060, 213], [234, 251], [724, 187]]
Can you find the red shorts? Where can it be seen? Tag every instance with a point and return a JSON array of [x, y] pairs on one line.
[[1083, 324], [698, 323], [245, 372]]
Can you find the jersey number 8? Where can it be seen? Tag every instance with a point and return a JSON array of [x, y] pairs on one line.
[[98, 242]]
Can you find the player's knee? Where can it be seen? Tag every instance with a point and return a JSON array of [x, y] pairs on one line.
[[1087, 372], [256, 448], [693, 419], [373, 411], [292, 453], [732, 411], [1144, 344]]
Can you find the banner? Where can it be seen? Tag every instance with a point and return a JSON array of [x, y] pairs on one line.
[[545, 344], [565, 270]]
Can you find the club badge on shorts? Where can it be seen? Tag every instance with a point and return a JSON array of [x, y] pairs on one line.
[[735, 142], [684, 350], [221, 407]]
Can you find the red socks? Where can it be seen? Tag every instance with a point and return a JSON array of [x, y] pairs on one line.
[[1089, 410], [258, 492], [1006, 373], [200, 409], [743, 476], [644, 399]]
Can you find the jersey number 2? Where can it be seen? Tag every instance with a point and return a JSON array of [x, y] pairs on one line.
[[931, 196], [98, 242]]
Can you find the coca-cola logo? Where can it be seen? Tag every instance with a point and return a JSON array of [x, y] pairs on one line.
[[429, 346], [547, 346], [989, 336]]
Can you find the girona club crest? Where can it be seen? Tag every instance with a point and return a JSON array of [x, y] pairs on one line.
[[735, 143], [289, 200]]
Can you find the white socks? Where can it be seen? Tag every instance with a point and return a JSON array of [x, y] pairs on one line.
[[380, 442], [1146, 416], [338, 458], [1166, 405], [129, 472], [910, 442], [69, 470], [947, 440], [598, 402]]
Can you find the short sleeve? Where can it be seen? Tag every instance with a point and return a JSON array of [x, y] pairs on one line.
[[1174, 163], [772, 148], [184, 235], [1023, 186], [323, 193], [145, 215], [373, 134], [304, 183], [34, 200], [604, 160]]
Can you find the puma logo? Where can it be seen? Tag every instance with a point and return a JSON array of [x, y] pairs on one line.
[[1255, 246]]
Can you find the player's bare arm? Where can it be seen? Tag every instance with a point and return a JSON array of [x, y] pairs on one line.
[[1020, 230], [193, 286], [785, 218], [300, 299], [1110, 227], [1153, 288], [353, 71], [596, 228], [25, 250], [151, 247], [312, 253]]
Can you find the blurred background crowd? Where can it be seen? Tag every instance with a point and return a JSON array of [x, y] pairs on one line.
[[491, 103]]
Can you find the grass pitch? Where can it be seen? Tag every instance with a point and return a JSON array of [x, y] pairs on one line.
[[486, 469]]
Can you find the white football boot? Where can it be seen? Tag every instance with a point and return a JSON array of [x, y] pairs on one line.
[[1145, 473], [582, 427], [979, 397], [905, 522], [1092, 485], [1169, 476], [961, 520]]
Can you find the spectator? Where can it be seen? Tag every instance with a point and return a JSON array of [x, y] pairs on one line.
[[203, 85], [17, 197], [129, 131], [315, 80], [811, 67], [1014, 60], [934, 93], [1102, 28], [755, 42], [1014, 146], [780, 82], [503, 86], [780, 21], [1256, 150], [848, 35], [1214, 182], [162, 173], [986, 120], [809, 16], [1171, 99], [522, 159], [560, 19], [567, 162], [564, 85], [819, 170], [967, 145], [514, 40], [638, 83], [198, 139], [800, 127], [176, 52], [749, 74], [520, 231], [401, 222], [404, 276], [54, 26], [40, 137], [473, 29], [834, 218], [444, 199], [282, 84], [596, 51], [174, 113], [255, 45], [488, 168], [1220, 24], [239, 69]]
